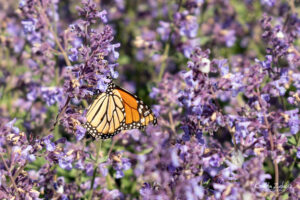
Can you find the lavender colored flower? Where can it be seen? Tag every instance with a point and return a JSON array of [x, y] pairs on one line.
[[103, 16], [164, 30], [189, 46], [120, 165], [186, 135], [267, 64], [103, 169], [89, 169], [79, 165], [29, 25], [65, 162], [22, 3], [50, 146], [241, 129], [73, 56], [187, 23], [11, 126], [194, 190], [229, 37], [112, 194], [293, 120], [19, 154], [80, 132], [269, 3], [115, 54], [51, 95], [145, 191]]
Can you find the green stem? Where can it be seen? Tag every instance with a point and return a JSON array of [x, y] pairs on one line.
[[98, 147], [167, 48], [282, 102], [179, 5], [164, 63], [113, 142]]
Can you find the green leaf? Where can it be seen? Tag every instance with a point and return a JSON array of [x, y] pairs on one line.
[[35, 165], [292, 140], [103, 159], [145, 151]]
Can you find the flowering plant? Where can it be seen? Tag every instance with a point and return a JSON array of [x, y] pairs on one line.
[[223, 78]]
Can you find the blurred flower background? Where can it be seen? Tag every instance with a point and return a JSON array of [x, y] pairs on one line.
[[222, 77]]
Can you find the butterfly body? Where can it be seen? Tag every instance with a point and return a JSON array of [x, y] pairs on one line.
[[115, 110]]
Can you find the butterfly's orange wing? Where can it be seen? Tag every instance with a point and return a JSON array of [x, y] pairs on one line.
[[138, 115]]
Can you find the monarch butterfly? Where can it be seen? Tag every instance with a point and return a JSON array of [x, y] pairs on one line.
[[115, 110]]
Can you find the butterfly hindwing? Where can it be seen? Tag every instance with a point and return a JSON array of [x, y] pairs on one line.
[[138, 115]]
